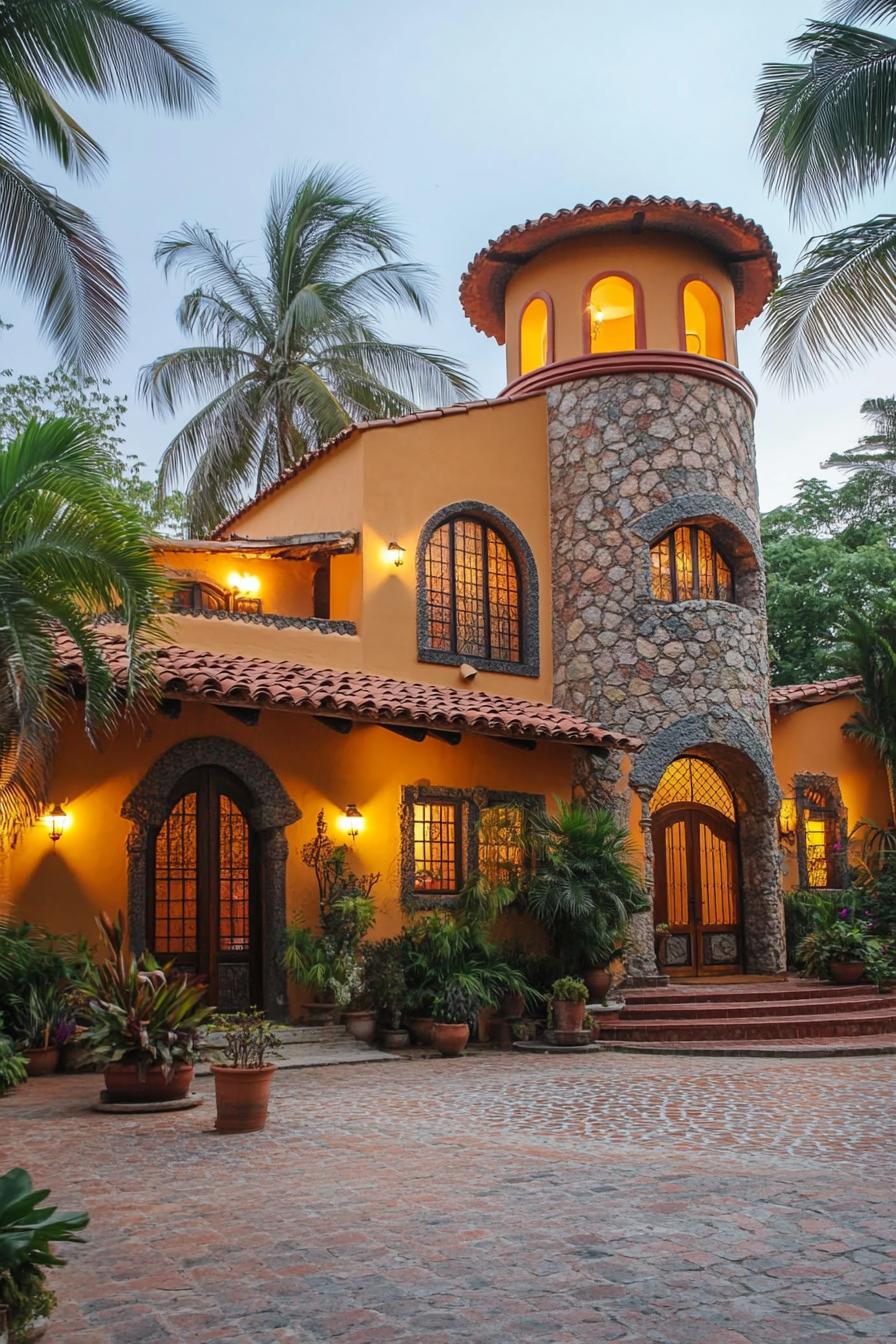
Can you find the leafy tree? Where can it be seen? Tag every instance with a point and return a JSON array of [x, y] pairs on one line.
[[50, 249], [827, 136], [828, 553], [90, 400], [874, 456], [868, 648], [290, 356], [70, 548]]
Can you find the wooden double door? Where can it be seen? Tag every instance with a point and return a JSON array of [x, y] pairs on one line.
[[696, 883], [204, 888]]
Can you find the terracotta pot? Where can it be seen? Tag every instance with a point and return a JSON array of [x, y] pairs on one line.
[[124, 1084], [847, 972], [241, 1096], [361, 1025], [319, 1014], [394, 1038], [568, 1015], [598, 979], [512, 1005], [421, 1030], [450, 1038], [42, 1061]]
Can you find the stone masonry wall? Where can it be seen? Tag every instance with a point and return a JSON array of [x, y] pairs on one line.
[[630, 457]]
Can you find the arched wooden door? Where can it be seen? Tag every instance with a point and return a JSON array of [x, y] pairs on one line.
[[203, 887], [696, 878]]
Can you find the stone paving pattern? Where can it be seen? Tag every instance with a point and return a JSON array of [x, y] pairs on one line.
[[645, 1200]]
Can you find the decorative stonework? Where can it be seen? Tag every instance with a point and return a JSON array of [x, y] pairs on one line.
[[807, 789], [630, 457], [318, 623], [272, 810]]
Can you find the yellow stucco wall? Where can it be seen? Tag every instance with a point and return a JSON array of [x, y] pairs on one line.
[[810, 741], [658, 261]]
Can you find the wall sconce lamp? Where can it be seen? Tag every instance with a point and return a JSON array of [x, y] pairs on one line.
[[787, 818], [57, 822], [394, 553], [351, 823], [244, 585]]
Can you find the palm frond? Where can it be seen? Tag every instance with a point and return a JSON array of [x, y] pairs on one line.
[[193, 372], [839, 305]]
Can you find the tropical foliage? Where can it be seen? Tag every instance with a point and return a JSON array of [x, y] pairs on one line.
[[37, 970], [869, 649], [288, 356], [69, 550], [827, 136], [50, 249], [28, 1230], [247, 1039], [874, 457]]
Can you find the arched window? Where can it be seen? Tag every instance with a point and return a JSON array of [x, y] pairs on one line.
[[702, 327], [611, 315], [821, 828], [472, 592], [535, 335], [686, 564]]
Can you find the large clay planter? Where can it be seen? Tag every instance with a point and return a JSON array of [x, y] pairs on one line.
[[319, 1014], [450, 1038], [394, 1038], [125, 1086], [42, 1060], [598, 979], [361, 1025], [568, 1015], [847, 972], [512, 1005], [241, 1096], [421, 1030]]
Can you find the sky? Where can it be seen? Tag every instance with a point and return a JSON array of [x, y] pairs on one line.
[[468, 116]]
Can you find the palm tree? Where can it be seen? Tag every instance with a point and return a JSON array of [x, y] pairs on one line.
[[868, 649], [827, 135], [874, 456], [292, 355], [69, 550], [50, 249]]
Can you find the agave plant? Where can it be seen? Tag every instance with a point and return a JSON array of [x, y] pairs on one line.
[[137, 1011]]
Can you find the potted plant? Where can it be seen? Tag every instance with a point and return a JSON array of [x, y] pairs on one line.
[[243, 1083], [568, 999], [384, 974], [142, 1023], [39, 1011], [329, 963], [661, 934], [845, 947], [28, 1228], [454, 1008], [13, 1065]]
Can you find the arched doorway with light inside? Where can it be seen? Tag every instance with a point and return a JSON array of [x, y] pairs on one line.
[[697, 869]]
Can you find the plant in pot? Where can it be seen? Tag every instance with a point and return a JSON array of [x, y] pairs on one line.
[[384, 974], [584, 888], [243, 1081], [35, 970], [880, 966], [568, 998], [455, 1008], [845, 947], [142, 1023], [39, 1011], [13, 1065], [329, 963], [28, 1228]]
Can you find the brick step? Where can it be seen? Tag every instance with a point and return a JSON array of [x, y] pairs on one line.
[[710, 1007], [808, 1047], [752, 1028], [766, 993]]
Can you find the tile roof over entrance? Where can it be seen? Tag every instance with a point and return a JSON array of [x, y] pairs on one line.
[[230, 679], [785, 698]]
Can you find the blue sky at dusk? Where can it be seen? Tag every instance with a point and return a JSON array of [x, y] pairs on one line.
[[468, 116]]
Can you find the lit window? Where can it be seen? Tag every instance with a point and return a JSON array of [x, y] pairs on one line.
[[501, 847], [821, 857], [611, 315], [686, 564], [437, 859], [472, 592], [534, 335], [703, 330], [208, 597], [175, 894]]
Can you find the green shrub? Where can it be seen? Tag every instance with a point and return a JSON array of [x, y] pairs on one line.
[[569, 990]]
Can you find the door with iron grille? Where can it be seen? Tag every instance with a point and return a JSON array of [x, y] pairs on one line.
[[696, 870], [203, 888]]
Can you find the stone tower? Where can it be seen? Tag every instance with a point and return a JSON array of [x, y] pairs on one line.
[[625, 315]]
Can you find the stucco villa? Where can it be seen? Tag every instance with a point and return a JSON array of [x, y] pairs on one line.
[[558, 590]]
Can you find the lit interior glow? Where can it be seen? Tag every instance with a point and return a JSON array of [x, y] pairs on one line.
[[247, 585], [611, 308], [56, 821], [350, 823], [704, 333], [534, 336]]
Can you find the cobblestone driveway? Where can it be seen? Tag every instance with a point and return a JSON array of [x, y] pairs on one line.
[[494, 1198]]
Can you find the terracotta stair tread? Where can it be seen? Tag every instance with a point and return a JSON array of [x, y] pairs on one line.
[[769, 1027], [765, 993], [709, 1007], [803, 1046]]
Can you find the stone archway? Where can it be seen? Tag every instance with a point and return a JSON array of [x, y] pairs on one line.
[[271, 811], [726, 740]]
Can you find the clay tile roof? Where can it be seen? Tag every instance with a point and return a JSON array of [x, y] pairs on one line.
[[785, 698], [439, 413], [258, 683], [743, 245]]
